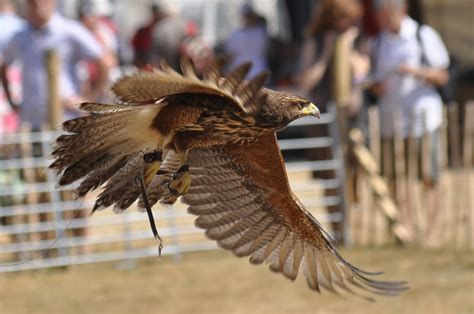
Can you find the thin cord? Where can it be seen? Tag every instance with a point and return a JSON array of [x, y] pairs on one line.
[[42, 254]]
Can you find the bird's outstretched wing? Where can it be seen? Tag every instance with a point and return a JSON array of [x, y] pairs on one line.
[[107, 148], [242, 197], [151, 86]]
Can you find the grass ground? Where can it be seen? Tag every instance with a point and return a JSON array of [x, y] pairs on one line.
[[217, 282]]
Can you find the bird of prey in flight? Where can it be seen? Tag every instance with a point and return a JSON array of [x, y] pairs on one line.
[[212, 141]]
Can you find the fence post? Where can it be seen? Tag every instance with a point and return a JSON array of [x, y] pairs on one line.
[[335, 130], [468, 163], [340, 94], [55, 110], [453, 131], [55, 116], [411, 154]]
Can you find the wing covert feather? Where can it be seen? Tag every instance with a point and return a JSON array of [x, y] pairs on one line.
[[148, 87]]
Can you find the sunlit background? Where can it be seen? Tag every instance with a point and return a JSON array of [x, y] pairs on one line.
[[56, 258]]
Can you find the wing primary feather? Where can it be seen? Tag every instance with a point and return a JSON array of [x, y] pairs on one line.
[[275, 242], [266, 235], [252, 234], [248, 92], [324, 275], [285, 251], [168, 69], [213, 70], [235, 78], [311, 267], [236, 228], [188, 69], [298, 252]]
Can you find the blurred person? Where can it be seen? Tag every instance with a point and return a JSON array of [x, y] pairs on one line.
[[408, 98], [47, 30], [332, 20], [248, 43], [175, 37], [9, 20], [9, 120], [11, 24], [142, 41], [105, 35], [196, 48]]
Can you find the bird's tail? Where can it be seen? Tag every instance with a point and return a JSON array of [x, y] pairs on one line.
[[108, 146]]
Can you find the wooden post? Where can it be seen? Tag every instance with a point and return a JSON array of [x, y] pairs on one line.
[[342, 77], [341, 90], [457, 181], [453, 127], [55, 112], [468, 142], [374, 131], [412, 173], [445, 215], [468, 163], [426, 173], [426, 151], [400, 178], [375, 148], [55, 117]]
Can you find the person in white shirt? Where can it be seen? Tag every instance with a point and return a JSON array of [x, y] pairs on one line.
[[408, 100], [46, 30]]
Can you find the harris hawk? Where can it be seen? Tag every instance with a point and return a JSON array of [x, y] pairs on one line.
[[212, 141]]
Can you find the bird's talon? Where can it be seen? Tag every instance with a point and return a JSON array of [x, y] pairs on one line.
[[180, 184], [162, 172]]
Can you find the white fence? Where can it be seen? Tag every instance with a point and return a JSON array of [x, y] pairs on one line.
[[36, 218]]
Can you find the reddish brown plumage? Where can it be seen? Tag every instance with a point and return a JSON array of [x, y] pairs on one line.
[[239, 189]]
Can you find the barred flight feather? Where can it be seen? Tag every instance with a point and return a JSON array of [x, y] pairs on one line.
[[244, 220]]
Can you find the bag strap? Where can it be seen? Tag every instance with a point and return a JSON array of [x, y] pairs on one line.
[[375, 53], [419, 39]]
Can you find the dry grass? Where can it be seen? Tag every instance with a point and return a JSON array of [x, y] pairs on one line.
[[215, 281]]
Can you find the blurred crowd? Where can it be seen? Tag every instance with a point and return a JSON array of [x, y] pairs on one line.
[[354, 53]]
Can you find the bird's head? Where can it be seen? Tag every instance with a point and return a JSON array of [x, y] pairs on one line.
[[284, 107]]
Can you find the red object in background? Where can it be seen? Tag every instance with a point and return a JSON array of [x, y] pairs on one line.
[[143, 39], [192, 29], [369, 23], [10, 122], [9, 119]]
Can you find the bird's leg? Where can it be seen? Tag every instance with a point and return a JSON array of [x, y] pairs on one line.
[[181, 180], [141, 182], [150, 158], [153, 156]]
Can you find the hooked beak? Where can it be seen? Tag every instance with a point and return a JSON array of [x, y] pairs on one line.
[[311, 110]]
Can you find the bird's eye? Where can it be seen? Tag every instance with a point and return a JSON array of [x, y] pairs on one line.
[[301, 105]]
